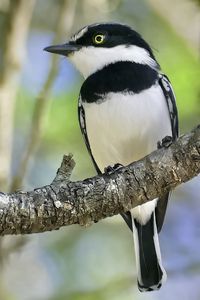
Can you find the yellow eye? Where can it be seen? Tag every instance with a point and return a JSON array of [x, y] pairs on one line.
[[99, 39]]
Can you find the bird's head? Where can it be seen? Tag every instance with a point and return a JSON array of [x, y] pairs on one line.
[[97, 45]]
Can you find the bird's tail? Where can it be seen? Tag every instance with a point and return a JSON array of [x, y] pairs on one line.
[[151, 273]]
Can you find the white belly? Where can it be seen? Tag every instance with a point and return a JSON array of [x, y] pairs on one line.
[[126, 127]]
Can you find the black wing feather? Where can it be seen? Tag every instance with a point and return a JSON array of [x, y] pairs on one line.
[[171, 103], [82, 123], [173, 113]]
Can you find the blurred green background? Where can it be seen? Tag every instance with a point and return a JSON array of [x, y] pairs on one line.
[[97, 262]]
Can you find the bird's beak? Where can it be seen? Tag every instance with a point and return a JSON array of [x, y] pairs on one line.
[[64, 49]]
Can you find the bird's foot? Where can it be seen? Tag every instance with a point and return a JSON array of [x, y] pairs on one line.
[[165, 143], [111, 169]]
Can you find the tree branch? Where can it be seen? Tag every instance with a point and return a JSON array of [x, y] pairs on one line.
[[64, 202]]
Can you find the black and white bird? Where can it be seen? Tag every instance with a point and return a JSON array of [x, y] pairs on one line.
[[126, 106]]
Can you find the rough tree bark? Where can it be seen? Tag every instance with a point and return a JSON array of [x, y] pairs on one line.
[[64, 202]]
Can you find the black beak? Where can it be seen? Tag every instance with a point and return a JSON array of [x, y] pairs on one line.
[[64, 49]]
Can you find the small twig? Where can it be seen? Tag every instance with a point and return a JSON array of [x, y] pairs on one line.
[[65, 170]]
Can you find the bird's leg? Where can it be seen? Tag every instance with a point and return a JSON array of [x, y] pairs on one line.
[[165, 143], [111, 169]]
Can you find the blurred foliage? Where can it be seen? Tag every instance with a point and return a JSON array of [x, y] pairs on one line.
[[183, 68], [197, 1]]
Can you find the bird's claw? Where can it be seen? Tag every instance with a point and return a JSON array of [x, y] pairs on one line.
[[165, 143], [111, 169]]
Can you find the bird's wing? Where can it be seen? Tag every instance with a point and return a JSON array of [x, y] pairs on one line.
[[173, 113], [171, 103], [82, 123]]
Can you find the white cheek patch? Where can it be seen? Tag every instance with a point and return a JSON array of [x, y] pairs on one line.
[[90, 59]]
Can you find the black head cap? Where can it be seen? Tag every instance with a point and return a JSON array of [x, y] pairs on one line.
[[115, 34]]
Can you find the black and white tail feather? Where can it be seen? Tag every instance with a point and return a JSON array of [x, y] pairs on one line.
[[150, 272]]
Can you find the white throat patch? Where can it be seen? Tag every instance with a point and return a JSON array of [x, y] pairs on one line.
[[90, 59]]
